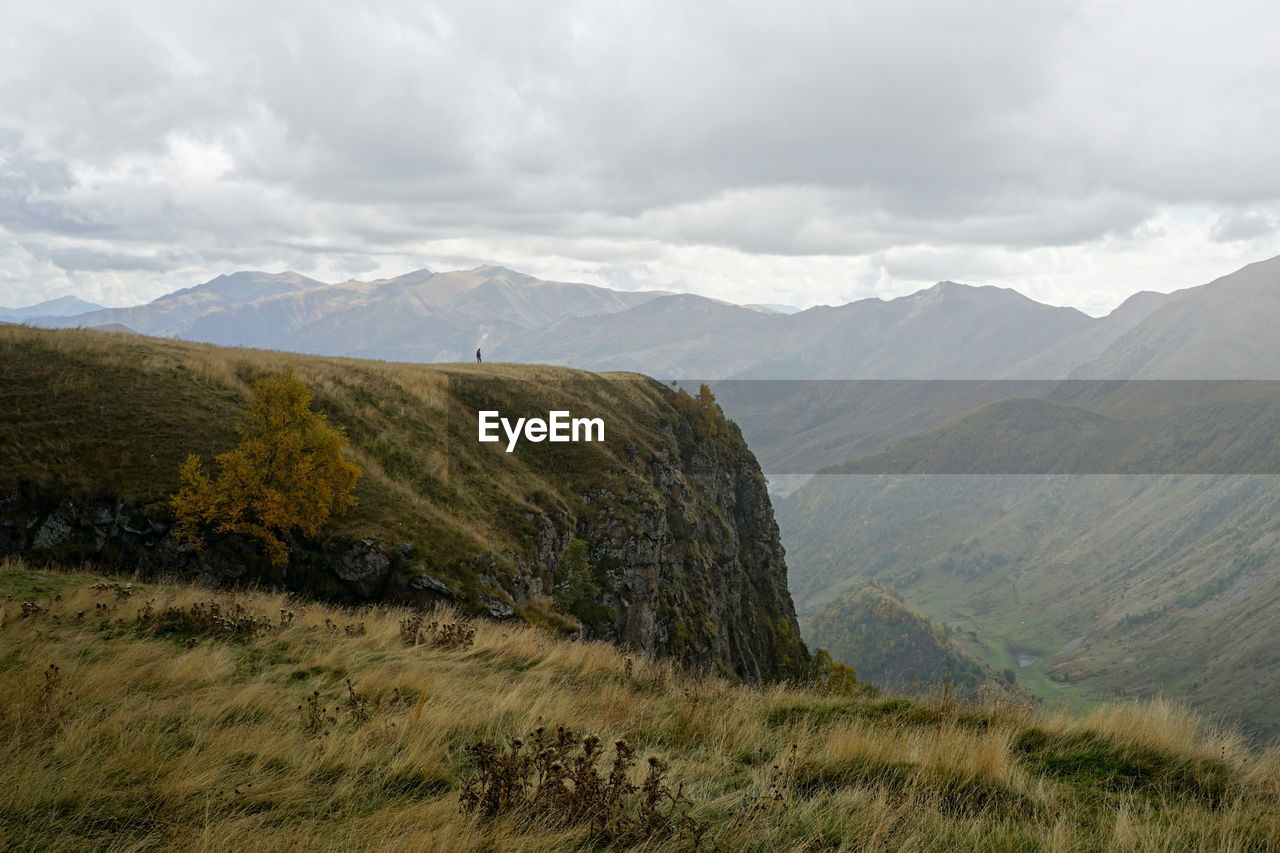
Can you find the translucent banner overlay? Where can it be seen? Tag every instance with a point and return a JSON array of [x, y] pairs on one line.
[[801, 427]]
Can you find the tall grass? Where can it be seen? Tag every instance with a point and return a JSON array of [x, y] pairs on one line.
[[300, 726]]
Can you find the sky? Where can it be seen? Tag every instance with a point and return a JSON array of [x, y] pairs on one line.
[[793, 153]]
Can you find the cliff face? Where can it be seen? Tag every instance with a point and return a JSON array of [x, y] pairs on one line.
[[687, 560], [661, 538]]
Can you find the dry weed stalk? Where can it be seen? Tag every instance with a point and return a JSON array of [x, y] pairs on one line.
[[557, 780], [415, 630]]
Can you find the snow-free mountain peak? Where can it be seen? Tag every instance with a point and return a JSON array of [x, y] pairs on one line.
[[63, 306]]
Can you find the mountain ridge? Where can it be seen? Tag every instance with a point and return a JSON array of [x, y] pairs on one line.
[[948, 330]]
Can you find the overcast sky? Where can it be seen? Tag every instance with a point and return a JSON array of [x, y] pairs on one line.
[[794, 153]]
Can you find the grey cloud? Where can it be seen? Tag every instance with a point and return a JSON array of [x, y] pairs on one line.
[[818, 129], [80, 259], [33, 191]]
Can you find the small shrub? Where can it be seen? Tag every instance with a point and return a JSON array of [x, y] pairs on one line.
[[45, 705], [575, 576], [781, 786], [207, 619], [448, 636], [556, 779], [357, 704], [840, 679], [316, 719]]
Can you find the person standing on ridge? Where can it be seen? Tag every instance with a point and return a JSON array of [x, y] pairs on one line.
[[477, 355]]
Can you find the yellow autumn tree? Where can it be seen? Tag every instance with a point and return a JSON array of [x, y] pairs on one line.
[[288, 474]]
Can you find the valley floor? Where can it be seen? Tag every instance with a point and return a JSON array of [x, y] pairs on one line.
[[141, 716]]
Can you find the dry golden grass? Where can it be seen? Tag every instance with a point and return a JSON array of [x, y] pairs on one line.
[[142, 739]]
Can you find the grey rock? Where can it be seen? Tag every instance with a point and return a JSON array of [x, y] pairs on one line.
[[57, 528], [364, 567], [499, 609], [426, 582], [217, 568]]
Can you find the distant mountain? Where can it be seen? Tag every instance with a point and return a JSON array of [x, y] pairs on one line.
[[419, 316], [676, 335], [174, 315], [1227, 329], [949, 331], [1063, 356], [63, 306]]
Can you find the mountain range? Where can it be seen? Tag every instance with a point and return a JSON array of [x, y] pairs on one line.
[[949, 331], [1224, 329], [420, 316]]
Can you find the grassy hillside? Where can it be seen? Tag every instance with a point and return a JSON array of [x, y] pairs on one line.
[[1087, 586], [140, 716], [118, 414], [680, 540], [888, 643], [1100, 428]]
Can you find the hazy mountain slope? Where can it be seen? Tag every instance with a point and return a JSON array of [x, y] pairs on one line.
[[948, 331], [63, 306], [1226, 328], [675, 335], [1114, 585], [1057, 361], [419, 316], [171, 315], [890, 644], [1118, 584], [1183, 428], [1229, 328], [447, 316], [669, 514]]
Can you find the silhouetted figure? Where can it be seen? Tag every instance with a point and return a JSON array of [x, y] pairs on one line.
[[477, 355]]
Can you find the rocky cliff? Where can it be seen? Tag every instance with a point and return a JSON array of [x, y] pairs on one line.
[[660, 538]]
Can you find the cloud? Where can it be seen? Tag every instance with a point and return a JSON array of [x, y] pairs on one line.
[[615, 138], [1243, 225], [80, 259]]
